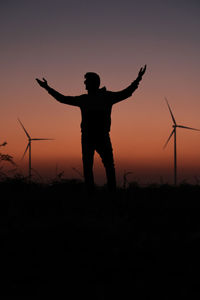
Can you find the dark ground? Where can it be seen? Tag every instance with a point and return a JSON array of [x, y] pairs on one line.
[[141, 243]]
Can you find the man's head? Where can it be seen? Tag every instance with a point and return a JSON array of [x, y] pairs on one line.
[[92, 81]]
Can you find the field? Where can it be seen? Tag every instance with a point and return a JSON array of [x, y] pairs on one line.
[[141, 243]]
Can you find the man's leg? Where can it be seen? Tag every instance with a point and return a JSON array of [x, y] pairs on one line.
[[88, 157], [104, 148]]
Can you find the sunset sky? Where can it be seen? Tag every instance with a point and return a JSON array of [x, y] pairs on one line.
[[61, 40]]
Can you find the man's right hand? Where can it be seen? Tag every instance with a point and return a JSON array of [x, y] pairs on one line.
[[42, 83], [141, 73]]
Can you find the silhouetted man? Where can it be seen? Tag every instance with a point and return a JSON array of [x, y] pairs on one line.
[[96, 108]]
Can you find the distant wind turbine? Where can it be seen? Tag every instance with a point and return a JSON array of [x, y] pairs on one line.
[[29, 147], [174, 126]]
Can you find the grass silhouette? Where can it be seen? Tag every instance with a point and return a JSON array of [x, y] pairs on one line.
[[140, 242]]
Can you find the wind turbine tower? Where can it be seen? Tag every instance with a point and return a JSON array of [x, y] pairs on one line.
[[174, 126], [28, 147]]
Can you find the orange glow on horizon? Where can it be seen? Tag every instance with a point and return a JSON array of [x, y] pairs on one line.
[[61, 46]]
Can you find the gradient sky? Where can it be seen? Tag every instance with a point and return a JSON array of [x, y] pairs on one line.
[[61, 40]]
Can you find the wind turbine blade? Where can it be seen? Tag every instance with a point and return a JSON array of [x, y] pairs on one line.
[[168, 139], [171, 112], [24, 129], [25, 150], [181, 126], [42, 139]]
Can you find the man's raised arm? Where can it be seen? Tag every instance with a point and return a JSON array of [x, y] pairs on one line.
[[71, 100], [127, 92]]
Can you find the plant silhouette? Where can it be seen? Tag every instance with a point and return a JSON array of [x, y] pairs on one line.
[[3, 144], [6, 157], [96, 108]]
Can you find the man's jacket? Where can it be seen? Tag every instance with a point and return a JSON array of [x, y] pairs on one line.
[[95, 108]]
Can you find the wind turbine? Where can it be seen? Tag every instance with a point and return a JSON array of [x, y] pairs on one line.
[[28, 147], [174, 126]]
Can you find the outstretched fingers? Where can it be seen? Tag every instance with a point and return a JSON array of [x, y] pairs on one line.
[[141, 73], [143, 70], [38, 80], [42, 83]]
